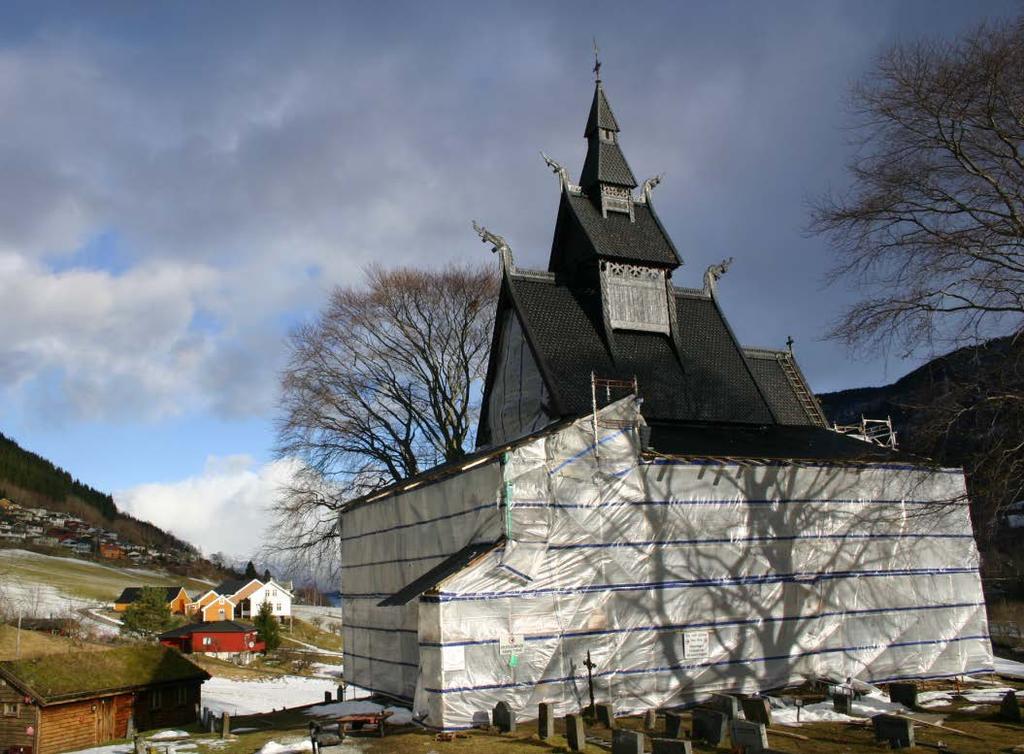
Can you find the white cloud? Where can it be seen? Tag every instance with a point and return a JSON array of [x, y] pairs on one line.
[[226, 508]]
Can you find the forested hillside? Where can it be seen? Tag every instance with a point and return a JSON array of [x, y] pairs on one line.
[[30, 479]]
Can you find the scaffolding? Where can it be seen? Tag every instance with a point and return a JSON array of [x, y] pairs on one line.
[[876, 431]]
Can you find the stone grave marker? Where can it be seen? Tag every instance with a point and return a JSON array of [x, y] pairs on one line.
[[606, 715], [757, 709], [751, 738], [1009, 708], [898, 731], [481, 719], [670, 746], [545, 721], [650, 719], [327, 697], [843, 704], [574, 732], [627, 742], [904, 693], [504, 718], [727, 704], [709, 725], [673, 725], [225, 725]]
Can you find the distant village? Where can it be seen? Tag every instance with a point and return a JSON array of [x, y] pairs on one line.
[[23, 526]]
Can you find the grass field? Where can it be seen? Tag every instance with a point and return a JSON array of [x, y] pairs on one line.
[[36, 644], [82, 579]]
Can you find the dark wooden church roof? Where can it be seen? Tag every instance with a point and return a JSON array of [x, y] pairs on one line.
[[692, 371]]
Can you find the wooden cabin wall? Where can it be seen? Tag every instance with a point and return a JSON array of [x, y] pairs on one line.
[[171, 710], [79, 724], [12, 729]]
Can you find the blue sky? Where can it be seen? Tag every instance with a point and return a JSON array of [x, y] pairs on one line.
[[181, 183]]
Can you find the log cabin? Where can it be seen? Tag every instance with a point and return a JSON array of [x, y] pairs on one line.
[[65, 702]]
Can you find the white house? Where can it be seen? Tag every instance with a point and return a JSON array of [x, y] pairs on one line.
[[280, 599]]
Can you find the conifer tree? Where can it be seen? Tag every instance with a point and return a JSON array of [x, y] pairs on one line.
[[149, 615], [267, 627]]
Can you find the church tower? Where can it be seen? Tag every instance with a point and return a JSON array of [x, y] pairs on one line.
[[607, 308]]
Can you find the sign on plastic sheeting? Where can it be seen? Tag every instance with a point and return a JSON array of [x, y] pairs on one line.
[[453, 658], [696, 644], [511, 644]]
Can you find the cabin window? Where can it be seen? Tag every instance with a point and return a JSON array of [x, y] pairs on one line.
[[207, 641], [11, 709], [154, 699]]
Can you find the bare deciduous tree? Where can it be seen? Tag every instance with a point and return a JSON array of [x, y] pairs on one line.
[[383, 385], [932, 234], [933, 229]]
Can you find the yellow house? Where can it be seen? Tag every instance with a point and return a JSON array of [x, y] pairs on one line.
[[178, 600]]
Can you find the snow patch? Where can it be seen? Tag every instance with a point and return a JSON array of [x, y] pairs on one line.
[[251, 697], [273, 747], [166, 735], [867, 706], [1009, 668]]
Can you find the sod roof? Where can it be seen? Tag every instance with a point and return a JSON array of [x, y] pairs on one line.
[[61, 677]]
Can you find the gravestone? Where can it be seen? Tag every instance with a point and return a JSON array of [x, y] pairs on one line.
[[327, 697], [574, 733], [670, 746], [1009, 708], [545, 721], [504, 718], [606, 715], [341, 691], [727, 704], [138, 745], [757, 709], [225, 725], [748, 737], [897, 731], [843, 704], [650, 719], [673, 725], [481, 719], [709, 725], [627, 742], [903, 693]]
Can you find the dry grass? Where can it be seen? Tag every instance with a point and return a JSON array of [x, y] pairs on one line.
[[37, 644]]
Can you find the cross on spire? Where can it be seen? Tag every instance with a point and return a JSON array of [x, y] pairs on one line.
[[597, 62]]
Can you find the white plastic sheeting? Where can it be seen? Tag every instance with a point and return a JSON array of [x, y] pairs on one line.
[[679, 577]]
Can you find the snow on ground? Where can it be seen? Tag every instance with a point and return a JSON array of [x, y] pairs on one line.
[[399, 715], [252, 697], [328, 671], [38, 600], [874, 703], [1009, 668], [165, 735], [273, 747], [987, 696]]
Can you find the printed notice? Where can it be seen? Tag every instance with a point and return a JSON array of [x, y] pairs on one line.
[[453, 658], [510, 644], [696, 644]]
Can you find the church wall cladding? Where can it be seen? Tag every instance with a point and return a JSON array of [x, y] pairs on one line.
[[683, 577], [389, 543]]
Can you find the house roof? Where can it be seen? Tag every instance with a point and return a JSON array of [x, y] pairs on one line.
[[231, 586], [432, 578], [702, 375], [132, 593], [616, 237], [62, 677], [785, 387], [215, 627]]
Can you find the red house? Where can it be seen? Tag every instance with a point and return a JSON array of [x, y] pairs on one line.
[[225, 639]]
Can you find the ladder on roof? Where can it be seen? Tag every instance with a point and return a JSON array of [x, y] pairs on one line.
[[807, 400]]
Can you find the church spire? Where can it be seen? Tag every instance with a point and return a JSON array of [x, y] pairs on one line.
[[606, 177]]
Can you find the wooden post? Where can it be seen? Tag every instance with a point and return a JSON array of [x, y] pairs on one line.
[[225, 725]]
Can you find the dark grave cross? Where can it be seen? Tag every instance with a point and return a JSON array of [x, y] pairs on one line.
[[842, 703], [590, 665]]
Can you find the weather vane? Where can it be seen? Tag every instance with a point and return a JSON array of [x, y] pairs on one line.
[[597, 62]]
